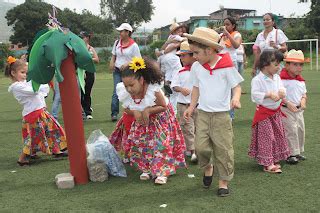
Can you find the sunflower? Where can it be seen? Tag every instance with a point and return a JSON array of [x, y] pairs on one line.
[[11, 60], [137, 64]]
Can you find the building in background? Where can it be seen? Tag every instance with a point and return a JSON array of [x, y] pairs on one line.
[[5, 30]]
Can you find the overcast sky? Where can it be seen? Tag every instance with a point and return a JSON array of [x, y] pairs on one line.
[[167, 10]]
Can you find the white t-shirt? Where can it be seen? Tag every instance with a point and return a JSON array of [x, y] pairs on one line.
[[275, 35], [231, 50], [295, 90], [182, 79], [148, 100], [126, 55], [30, 100], [262, 84], [215, 89], [240, 54]]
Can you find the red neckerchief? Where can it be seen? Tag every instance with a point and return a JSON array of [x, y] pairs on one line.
[[284, 75], [185, 68], [121, 46], [224, 62]]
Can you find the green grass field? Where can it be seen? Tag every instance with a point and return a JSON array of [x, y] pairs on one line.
[[32, 189]]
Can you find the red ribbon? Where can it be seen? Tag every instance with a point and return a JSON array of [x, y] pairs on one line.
[[185, 68], [284, 75], [121, 46]]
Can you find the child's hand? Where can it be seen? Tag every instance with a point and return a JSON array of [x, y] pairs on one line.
[[235, 104], [185, 91], [187, 114], [281, 94], [274, 96], [138, 116], [145, 116], [292, 107], [303, 104]]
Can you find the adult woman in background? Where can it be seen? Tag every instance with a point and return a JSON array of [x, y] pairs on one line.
[[89, 77], [269, 38], [124, 49]]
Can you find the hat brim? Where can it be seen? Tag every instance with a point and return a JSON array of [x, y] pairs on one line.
[[183, 52], [296, 60], [120, 29], [203, 41]]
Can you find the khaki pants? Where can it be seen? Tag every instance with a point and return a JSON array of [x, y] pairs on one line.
[[188, 128], [295, 130], [214, 138]]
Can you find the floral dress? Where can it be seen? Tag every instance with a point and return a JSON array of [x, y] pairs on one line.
[[157, 148]]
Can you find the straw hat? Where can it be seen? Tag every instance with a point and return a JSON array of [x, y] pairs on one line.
[[295, 56], [174, 27], [184, 48], [206, 36]]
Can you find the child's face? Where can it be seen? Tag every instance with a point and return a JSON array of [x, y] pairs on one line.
[[294, 68], [179, 32], [20, 74], [273, 68], [201, 55], [187, 59], [228, 25], [133, 85]]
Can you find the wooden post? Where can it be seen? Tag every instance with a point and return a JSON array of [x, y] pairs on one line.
[[73, 123]]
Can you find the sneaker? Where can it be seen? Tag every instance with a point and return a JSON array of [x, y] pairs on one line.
[[292, 160], [194, 158], [89, 117], [114, 118], [300, 157], [222, 192], [207, 180]]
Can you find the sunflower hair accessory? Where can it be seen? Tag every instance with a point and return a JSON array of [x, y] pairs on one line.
[[137, 64], [11, 60]]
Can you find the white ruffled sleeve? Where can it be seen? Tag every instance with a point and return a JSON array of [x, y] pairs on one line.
[[150, 97], [123, 95]]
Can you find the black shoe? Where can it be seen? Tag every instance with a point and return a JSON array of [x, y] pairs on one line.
[[61, 154], [222, 192], [207, 180], [301, 157], [292, 160], [114, 118]]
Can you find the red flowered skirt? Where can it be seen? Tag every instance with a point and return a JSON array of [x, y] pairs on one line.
[[157, 148], [42, 133], [268, 143]]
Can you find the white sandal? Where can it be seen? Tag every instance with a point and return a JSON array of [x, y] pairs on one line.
[[161, 180], [145, 176]]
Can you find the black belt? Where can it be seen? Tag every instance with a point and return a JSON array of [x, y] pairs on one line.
[[285, 105], [186, 104]]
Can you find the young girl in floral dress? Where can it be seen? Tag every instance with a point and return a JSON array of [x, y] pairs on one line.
[[40, 131], [153, 138]]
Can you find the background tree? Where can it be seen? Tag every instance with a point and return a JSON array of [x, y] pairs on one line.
[[133, 12], [312, 19]]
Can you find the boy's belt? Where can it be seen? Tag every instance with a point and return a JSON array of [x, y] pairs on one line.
[[285, 105], [184, 104]]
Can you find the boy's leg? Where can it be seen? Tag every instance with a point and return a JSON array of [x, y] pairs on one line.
[[222, 136], [291, 128], [187, 127], [115, 100], [56, 100], [301, 131], [203, 143]]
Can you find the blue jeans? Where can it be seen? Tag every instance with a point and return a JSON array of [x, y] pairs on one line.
[[56, 100], [115, 100]]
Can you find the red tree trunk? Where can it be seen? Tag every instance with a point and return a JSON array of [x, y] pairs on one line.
[[73, 123]]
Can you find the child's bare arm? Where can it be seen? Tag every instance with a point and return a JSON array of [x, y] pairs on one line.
[[235, 102]]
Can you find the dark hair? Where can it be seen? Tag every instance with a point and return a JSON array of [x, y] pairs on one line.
[[151, 74], [268, 56], [83, 34], [233, 22], [272, 18], [13, 67], [186, 27], [201, 46]]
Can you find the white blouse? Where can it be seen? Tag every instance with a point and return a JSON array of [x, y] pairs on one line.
[[148, 100], [275, 35], [30, 100], [262, 84]]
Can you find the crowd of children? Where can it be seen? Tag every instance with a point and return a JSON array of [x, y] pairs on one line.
[[206, 87]]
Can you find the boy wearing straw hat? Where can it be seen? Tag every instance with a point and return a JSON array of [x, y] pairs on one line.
[[182, 84], [214, 78], [294, 104]]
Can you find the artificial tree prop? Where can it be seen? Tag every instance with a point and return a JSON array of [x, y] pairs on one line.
[[58, 52]]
